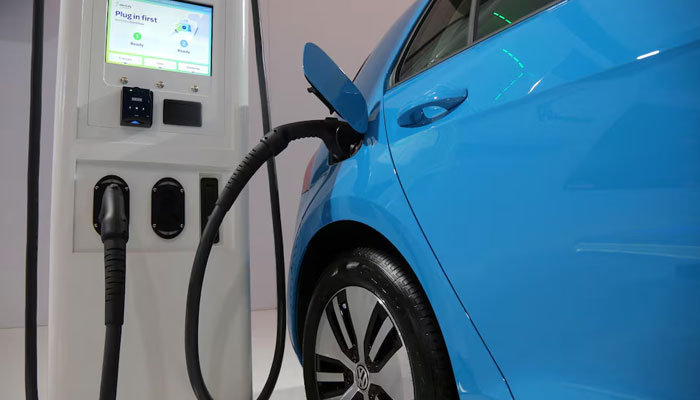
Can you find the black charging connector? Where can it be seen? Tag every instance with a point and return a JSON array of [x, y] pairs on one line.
[[100, 188], [113, 227]]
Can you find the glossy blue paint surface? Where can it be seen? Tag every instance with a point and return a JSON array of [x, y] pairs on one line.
[[371, 81], [562, 198], [558, 203], [364, 189]]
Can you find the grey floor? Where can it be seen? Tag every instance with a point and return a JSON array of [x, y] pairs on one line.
[[290, 384]]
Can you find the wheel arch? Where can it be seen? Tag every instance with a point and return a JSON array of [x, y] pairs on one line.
[[323, 246]]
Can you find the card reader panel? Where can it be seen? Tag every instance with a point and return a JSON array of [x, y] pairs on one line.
[[137, 107]]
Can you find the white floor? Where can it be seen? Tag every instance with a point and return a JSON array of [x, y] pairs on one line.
[[291, 381], [289, 386], [12, 362]]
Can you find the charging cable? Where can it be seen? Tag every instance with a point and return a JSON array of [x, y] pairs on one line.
[[33, 161], [114, 232], [342, 142], [340, 139], [280, 338]]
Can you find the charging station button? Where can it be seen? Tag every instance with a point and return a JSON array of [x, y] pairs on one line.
[[137, 107]]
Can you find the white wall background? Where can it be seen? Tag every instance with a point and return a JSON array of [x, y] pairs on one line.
[[347, 30]]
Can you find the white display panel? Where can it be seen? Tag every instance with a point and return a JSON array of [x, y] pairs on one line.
[[160, 34]]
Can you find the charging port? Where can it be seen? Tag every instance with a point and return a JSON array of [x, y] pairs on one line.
[[99, 192]]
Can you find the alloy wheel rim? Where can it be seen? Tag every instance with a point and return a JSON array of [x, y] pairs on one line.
[[360, 354]]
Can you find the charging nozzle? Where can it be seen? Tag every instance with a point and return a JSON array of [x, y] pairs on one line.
[[114, 221], [339, 137], [114, 231]]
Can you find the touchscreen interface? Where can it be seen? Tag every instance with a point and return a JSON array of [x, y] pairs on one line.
[[160, 34]]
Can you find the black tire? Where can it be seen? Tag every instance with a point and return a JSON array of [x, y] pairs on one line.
[[411, 320]]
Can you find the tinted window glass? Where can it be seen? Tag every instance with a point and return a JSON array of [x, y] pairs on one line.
[[497, 14], [443, 32]]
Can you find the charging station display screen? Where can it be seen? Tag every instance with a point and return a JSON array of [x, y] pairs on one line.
[[160, 34]]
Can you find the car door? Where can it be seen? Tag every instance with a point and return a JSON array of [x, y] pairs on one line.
[[551, 153]]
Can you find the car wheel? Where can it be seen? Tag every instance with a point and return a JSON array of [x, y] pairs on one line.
[[370, 333]]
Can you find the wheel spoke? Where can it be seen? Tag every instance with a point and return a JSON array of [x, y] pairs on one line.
[[361, 303], [338, 317], [377, 333], [330, 377], [343, 320], [327, 344], [395, 376], [382, 341], [348, 395]]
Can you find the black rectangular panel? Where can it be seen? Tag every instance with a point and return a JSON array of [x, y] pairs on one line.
[[209, 192], [180, 112]]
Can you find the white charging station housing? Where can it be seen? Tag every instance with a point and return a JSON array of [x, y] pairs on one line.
[[89, 144]]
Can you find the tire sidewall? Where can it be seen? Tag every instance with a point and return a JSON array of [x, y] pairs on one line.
[[354, 269]]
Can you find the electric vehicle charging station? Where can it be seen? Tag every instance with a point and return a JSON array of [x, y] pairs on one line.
[[190, 62], [151, 118]]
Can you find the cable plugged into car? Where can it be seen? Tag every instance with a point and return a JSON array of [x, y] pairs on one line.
[[342, 138], [342, 142]]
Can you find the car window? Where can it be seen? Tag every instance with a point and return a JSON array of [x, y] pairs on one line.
[[443, 32], [445, 29], [495, 15]]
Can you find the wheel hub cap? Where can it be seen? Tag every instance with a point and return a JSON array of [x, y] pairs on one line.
[[360, 354], [362, 377]]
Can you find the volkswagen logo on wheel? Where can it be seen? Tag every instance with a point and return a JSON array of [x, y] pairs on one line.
[[362, 377]]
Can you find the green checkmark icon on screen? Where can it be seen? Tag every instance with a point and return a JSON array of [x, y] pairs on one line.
[[137, 36]]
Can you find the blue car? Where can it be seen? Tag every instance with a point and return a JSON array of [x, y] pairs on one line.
[[522, 220]]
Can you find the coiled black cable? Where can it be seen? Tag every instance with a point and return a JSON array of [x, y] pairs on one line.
[[264, 151], [269, 146], [340, 139], [191, 335]]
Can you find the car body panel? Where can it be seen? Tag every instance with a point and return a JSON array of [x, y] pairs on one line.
[[372, 81], [562, 198], [365, 189]]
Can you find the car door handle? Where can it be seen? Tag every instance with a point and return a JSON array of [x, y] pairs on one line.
[[434, 105]]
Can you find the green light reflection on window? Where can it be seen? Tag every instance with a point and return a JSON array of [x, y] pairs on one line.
[[502, 17]]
